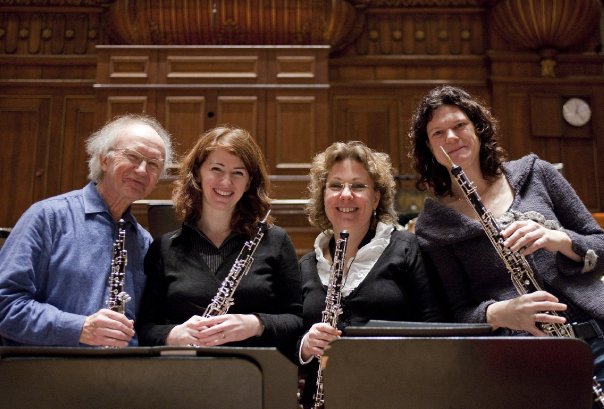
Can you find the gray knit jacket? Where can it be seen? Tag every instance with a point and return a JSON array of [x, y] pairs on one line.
[[471, 270]]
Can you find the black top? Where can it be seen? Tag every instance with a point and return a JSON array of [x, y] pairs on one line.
[[180, 285], [398, 288]]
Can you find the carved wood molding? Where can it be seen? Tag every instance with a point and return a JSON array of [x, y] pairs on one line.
[[53, 27], [425, 3], [232, 22], [546, 26], [421, 32], [56, 3], [541, 24]]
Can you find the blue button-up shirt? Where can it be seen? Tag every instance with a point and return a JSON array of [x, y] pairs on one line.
[[55, 266]]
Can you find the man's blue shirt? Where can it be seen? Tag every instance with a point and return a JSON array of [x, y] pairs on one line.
[[55, 266]]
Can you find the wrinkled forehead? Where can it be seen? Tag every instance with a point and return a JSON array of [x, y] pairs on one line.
[[349, 169], [143, 139]]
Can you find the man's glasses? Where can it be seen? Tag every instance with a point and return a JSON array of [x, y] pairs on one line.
[[353, 187], [135, 158]]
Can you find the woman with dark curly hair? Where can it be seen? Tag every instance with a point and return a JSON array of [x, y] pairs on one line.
[[352, 188], [539, 214], [221, 195]]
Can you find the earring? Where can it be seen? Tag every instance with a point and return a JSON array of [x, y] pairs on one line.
[[374, 213]]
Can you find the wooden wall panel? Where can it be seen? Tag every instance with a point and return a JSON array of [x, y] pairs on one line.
[[545, 106], [296, 129], [279, 94], [24, 155], [129, 67], [531, 121], [185, 119], [243, 111], [518, 124], [295, 99], [79, 122], [289, 214], [369, 119], [212, 67], [120, 105], [188, 116], [292, 146]]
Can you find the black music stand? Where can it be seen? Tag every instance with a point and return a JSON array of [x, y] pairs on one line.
[[4, 232], [158, 377], [380, 328], [458, 372]]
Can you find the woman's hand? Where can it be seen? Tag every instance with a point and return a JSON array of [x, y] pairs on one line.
[[318, 337], [187, 332], [214, 331], [528, 236], [524, 312]]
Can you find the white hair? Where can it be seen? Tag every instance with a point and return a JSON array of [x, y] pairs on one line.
[[102, 141]]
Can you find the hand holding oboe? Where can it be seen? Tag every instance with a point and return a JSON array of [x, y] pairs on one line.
[[107, 328]]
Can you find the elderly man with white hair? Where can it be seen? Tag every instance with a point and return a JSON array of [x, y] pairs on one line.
[[56, 263]]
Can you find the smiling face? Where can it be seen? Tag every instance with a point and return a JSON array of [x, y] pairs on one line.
[[451, 128], [350, 197], [224, 180], [130, 170]]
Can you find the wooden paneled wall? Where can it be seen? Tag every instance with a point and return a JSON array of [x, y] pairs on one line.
[[298, 77], [279, 94]]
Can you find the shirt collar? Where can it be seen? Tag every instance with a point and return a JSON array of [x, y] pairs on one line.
[[192, 228], [94, 203], [361, 264]]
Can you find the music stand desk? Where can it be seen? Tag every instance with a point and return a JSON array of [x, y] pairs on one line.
[[143, 377], [458, 372]]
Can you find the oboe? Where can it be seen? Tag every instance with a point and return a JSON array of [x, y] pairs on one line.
[[520, 270], [224, 298], [598, 394], [333, 308], [117, 296]]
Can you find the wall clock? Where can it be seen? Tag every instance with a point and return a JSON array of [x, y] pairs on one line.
[[576, 111]]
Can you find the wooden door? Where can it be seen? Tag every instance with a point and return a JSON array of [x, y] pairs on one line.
[[25, 136]]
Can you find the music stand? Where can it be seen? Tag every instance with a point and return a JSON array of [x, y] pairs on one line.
[[380, 328], [458, 372], [158, 377]]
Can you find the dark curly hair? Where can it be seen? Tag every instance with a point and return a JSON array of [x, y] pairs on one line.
[[432, 175], [255, 202]]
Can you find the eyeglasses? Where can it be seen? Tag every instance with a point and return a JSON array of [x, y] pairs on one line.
[[353, 187], [135, 158]]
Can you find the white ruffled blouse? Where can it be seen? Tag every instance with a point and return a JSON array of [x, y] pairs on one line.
[[361, 264]]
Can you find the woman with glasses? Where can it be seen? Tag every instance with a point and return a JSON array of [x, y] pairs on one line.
[[352, 188], [221, 195]]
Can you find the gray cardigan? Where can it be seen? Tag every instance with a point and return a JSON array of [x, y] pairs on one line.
[[472, 272]]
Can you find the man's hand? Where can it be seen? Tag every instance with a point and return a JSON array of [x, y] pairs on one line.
[[107, 328]]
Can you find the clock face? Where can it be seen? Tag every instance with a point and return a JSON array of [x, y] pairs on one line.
[[576, 112]]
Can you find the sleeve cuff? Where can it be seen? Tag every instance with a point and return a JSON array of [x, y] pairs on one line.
[[261, 329], [68, 329], [302, 361]]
